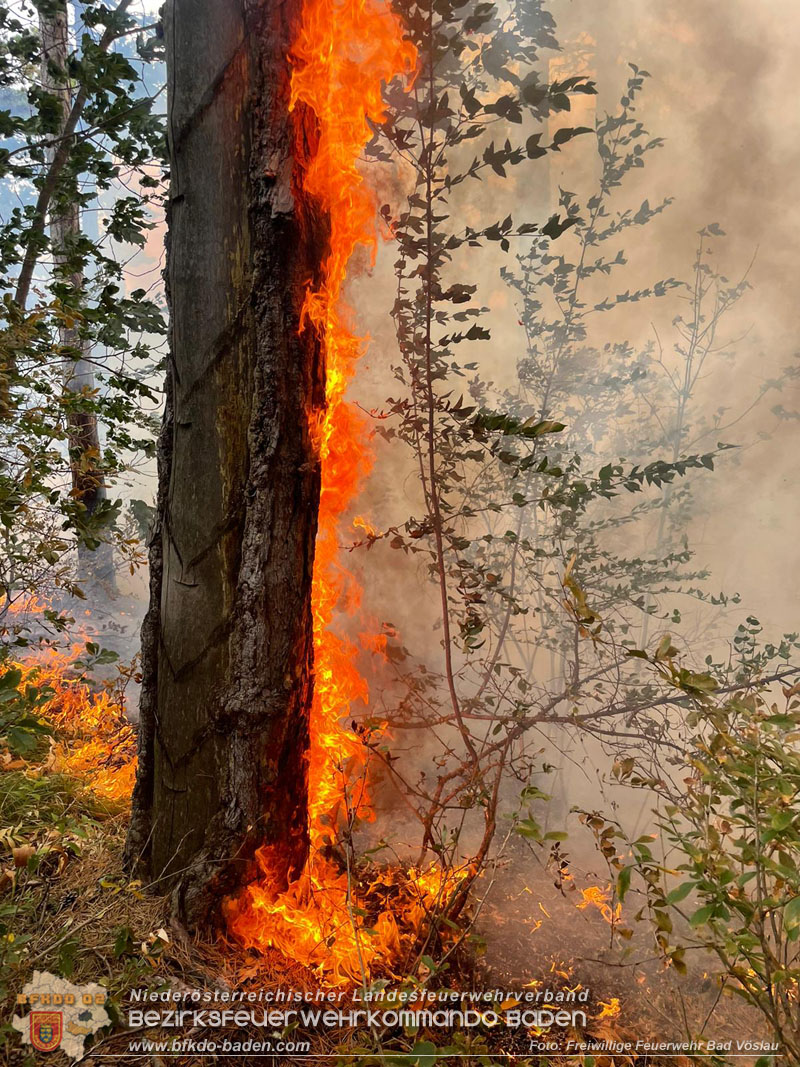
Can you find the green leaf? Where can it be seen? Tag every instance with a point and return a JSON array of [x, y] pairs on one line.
[[66, 957], [782, 820], [529, 828], [123, 942], [623, 882], [424, 1053], [680, 893], [791, 915], [539, 428], [702, 915]]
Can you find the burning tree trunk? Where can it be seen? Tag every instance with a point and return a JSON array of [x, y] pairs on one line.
[[227, 641], [83, 439]]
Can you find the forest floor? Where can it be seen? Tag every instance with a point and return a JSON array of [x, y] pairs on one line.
[[67, 908]]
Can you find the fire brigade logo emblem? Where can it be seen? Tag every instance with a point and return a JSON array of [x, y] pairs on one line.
[[62, 1015], [47, 1029]]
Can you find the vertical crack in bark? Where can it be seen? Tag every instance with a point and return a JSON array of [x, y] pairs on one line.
[[224, 723]]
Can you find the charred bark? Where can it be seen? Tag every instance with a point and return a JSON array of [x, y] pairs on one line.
[[227, 649]]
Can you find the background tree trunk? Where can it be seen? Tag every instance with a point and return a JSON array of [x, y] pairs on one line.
[[95, 566], [226, 643]]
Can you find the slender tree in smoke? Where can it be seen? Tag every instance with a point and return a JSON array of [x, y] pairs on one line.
[[83, 440]]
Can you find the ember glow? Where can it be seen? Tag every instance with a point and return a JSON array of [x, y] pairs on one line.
[[344, 53]]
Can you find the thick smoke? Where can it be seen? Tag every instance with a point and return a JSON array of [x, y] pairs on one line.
[[720, 95]]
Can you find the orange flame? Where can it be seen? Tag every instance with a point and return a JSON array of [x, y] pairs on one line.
[[360, 523], [94, 740], [344, 53], [595, 896], [609, 1009]]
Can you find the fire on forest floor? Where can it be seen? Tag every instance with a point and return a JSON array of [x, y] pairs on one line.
[[66, 907], [74, 913], [565, 924]]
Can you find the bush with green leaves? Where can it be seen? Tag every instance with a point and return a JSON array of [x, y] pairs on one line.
[[524, 461], [21, 727], [722, 872]]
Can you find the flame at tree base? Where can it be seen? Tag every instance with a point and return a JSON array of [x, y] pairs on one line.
[[345, 925]]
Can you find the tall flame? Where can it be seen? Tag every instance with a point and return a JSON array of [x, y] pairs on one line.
[[344, 52]]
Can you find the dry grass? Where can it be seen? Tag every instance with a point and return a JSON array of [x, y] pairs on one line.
[[79, 916]]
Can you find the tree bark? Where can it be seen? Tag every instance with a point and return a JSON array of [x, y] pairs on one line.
[[227, 641], [95, 566]]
